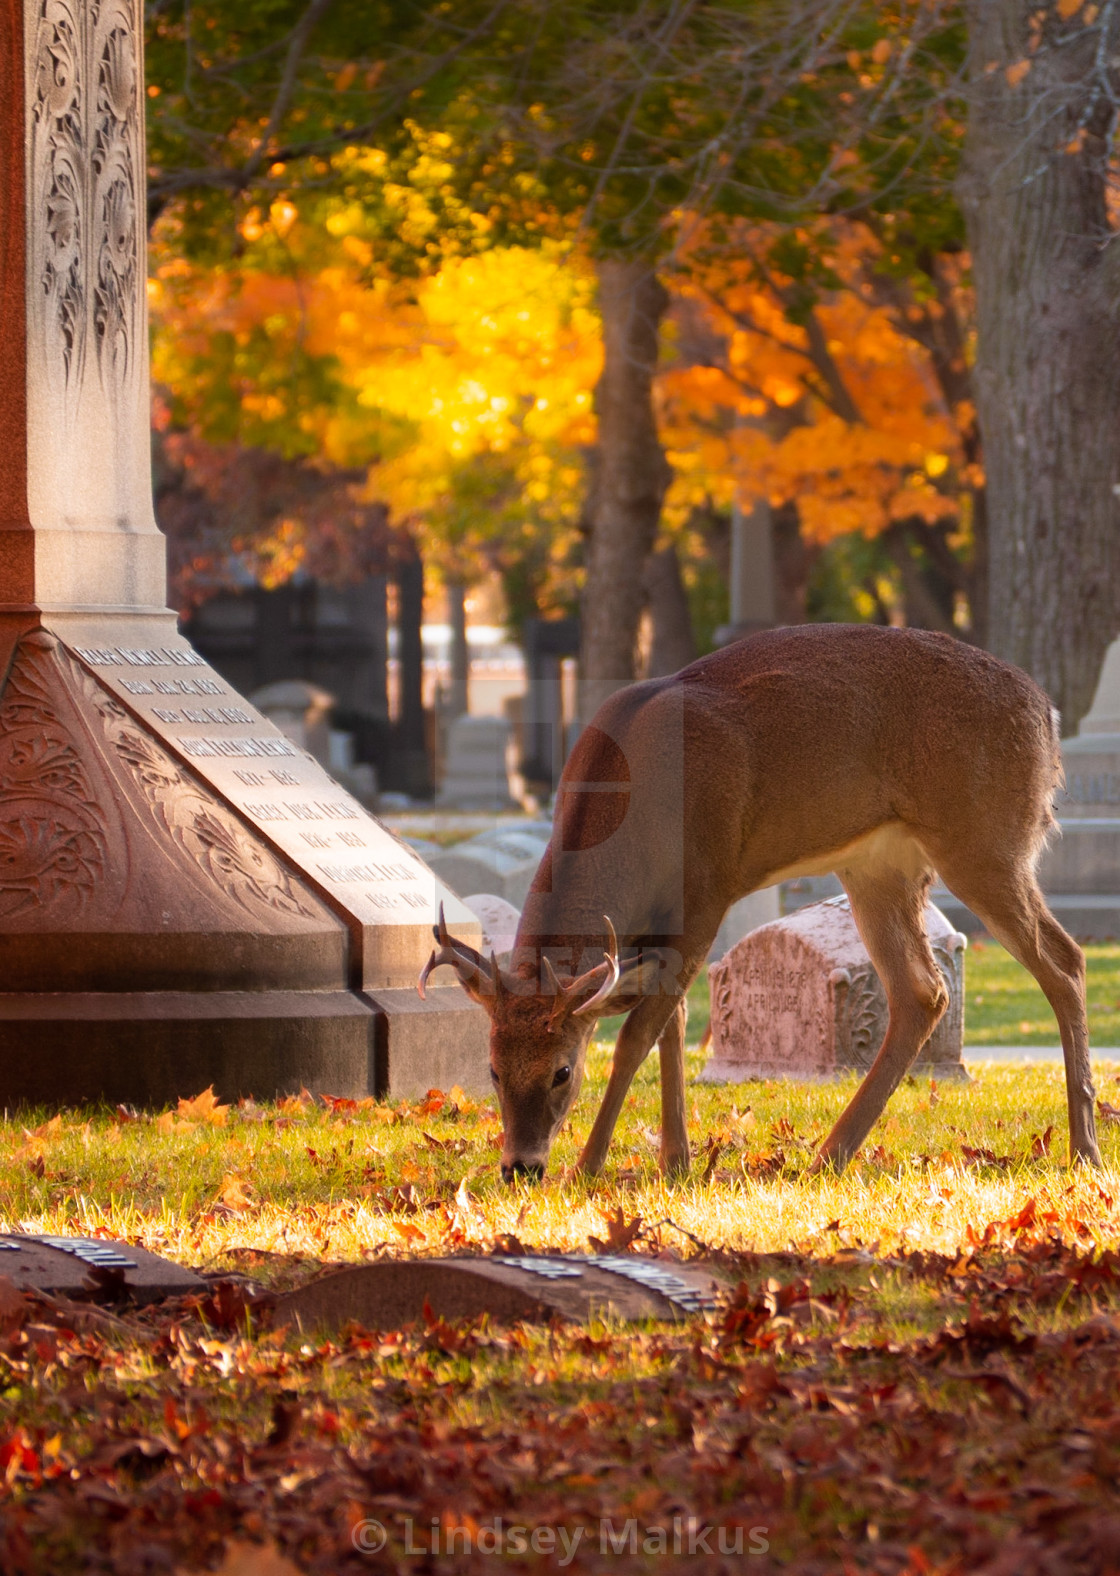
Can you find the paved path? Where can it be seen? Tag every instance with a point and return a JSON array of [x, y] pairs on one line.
[[1033, 1053]]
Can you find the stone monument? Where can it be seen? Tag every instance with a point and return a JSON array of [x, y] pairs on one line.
[[801, 999], [186, 896], [503, 861]]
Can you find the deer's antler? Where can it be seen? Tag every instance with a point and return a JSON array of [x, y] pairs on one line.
[[468, 964], [610, 979]]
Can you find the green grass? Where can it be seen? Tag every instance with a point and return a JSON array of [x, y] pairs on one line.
[[1004, 1006]]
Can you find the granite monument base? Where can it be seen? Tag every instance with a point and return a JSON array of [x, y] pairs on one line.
[[187, 898]]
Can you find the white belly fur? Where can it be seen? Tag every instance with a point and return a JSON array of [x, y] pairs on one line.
[[889, 847]]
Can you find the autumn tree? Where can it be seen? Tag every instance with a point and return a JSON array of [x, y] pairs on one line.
[[642, 117]]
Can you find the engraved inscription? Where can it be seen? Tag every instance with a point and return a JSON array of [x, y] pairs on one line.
[[182, 687], [244, 746], [144, 657], [370, 872]]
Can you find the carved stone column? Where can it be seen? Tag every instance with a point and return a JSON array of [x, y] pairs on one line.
[[185, 896]]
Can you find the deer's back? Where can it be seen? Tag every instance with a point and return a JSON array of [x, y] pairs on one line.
[[790, 744]]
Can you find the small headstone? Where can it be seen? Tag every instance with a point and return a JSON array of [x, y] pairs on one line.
[[499, 921], [63, 1265], [801, 999], [476, 774], [387, 1295]]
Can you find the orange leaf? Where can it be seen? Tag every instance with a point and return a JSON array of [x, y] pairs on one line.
[[204, 1108], [49, 1129], [1017, 72], [232, 1192], [408, 1231], [1068, 8], [620, 1232]]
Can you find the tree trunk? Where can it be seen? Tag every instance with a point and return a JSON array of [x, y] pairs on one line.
[[458, 693], [1048, 367], [674, 645], [630, 479]]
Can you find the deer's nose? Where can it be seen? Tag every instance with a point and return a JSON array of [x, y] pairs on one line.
[[520, 1169]]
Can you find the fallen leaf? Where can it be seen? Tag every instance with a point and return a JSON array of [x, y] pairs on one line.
[[204, 1108], [1017, 72], [13, 1307], [232, 1193], [621, 1233], [49, 1129], [252, 1559]]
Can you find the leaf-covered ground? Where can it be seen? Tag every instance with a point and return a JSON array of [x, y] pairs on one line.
[[917, 1367]]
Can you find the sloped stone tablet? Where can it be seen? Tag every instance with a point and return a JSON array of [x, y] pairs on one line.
[[63, 1264], [509, 1287]]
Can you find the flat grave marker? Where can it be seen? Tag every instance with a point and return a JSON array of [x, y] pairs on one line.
[[62, 1266], [526, 1287]]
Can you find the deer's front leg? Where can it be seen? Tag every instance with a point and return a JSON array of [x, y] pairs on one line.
[[674, 1122], [635, 1041]]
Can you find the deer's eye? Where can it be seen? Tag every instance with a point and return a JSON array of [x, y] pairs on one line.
[[494, 1077], [561, 1076]]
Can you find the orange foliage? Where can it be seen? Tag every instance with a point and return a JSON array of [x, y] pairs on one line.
[[837, 411]]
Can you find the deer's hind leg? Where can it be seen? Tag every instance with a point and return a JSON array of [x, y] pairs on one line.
[[1008, 899], [674, 1121], [887, 904]]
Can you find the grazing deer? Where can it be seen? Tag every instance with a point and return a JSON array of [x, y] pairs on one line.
[[881, 754]]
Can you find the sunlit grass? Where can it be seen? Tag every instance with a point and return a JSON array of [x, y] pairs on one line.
[[299, 1180]]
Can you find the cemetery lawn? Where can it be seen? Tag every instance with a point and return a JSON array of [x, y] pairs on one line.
[[916, 1369]]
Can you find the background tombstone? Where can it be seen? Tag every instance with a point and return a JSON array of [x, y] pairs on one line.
[[1080, 869], [801, 999], [503, 861], [186, 896], [476, 768], [499, 921]]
